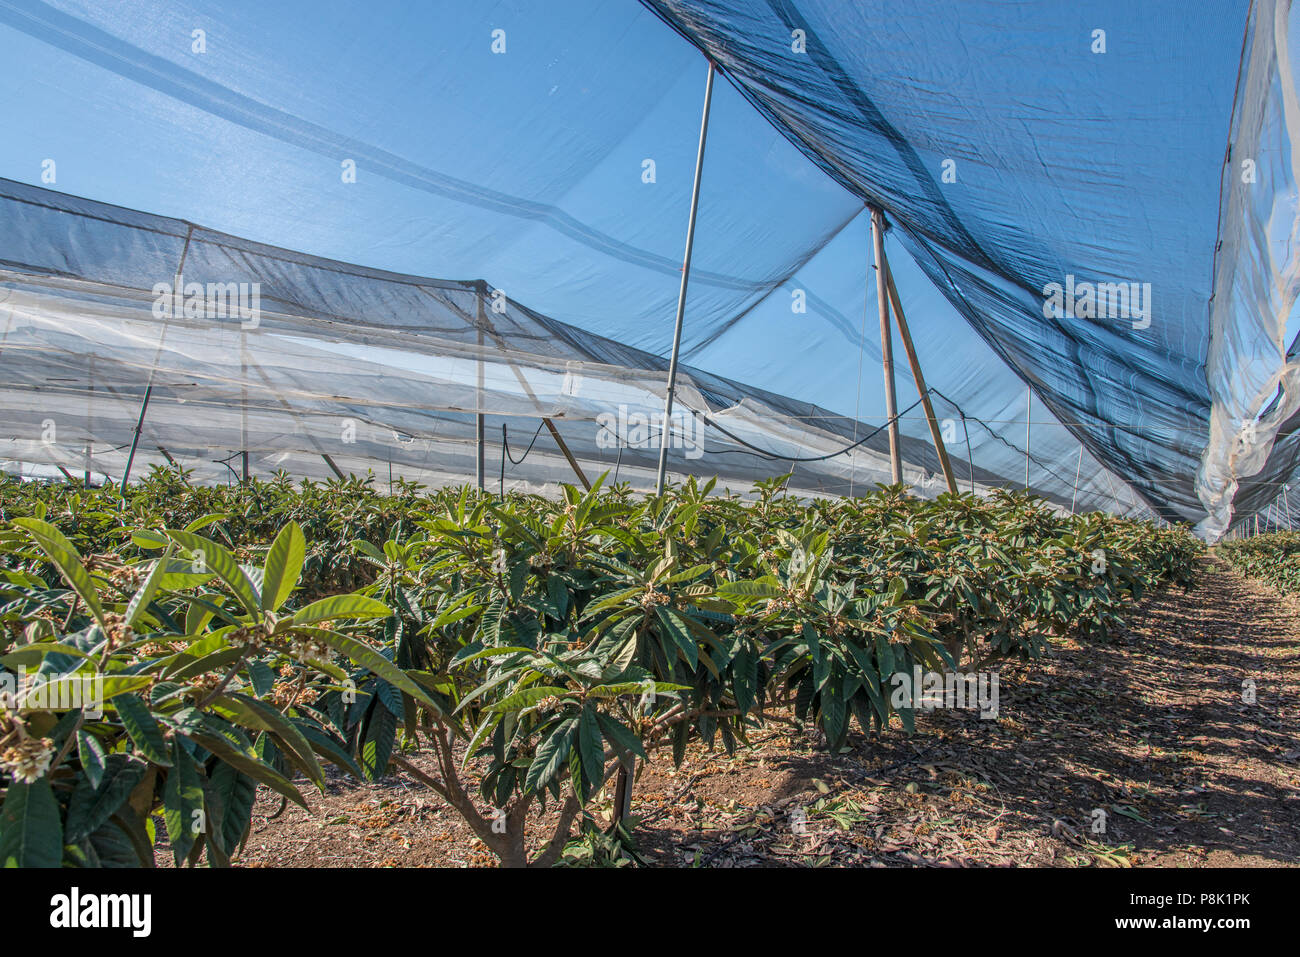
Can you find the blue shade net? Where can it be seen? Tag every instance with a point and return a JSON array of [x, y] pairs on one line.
[[1031, 152], [335, 157]]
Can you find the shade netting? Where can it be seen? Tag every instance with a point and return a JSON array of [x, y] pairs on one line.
[[337, 157]]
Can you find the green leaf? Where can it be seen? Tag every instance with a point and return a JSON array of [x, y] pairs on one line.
[[345, 607], [31, 834], [141, 599], [328, 748], [145, 733], [591, 746], [679, 632], [224, 749], [283, 565], [199, 524], [237, 793], [551, 755], [765, 587], [67, 560], [30, 656], [183, 803], [621, 736], [377, 746], [93, 803], [377, 664], [83, 688], [221, 563], [91, 753], [260, 716], [526, 698]]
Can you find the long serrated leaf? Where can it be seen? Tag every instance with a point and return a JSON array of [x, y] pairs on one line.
[[257, 770], [621, 736], [183, 810], [377, 745], [283, 565], [91, 753], [145, 733], [373, 661], [141, 599], [260, 716], [65, 557], [591, 746], [93, 803], [31, 834], [341, 607], [222, 563], [526, 698], [551, 755]]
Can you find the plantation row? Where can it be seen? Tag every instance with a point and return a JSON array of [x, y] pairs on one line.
[[244, 635], [1274, 558]]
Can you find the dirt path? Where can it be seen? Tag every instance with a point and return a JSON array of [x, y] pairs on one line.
[[1150, 735]]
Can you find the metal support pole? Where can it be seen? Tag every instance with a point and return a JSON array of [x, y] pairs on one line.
[[1029, 414], [135, 441], [681, 294], [1077, 472], [503, 461], [886, 344], [177, 286], [623, 786], [478, 418], [243, 403], [906, 336]]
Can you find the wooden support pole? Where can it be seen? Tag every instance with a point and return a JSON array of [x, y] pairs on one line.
[[906, 336], [573, 463], [66, 474], [886, 345], [333, 468]]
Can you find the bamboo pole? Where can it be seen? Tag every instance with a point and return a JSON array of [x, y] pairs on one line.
[[573, 463], [886, 344], [905, 335]]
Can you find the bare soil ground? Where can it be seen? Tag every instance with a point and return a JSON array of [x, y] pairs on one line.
[[1150, 735]]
